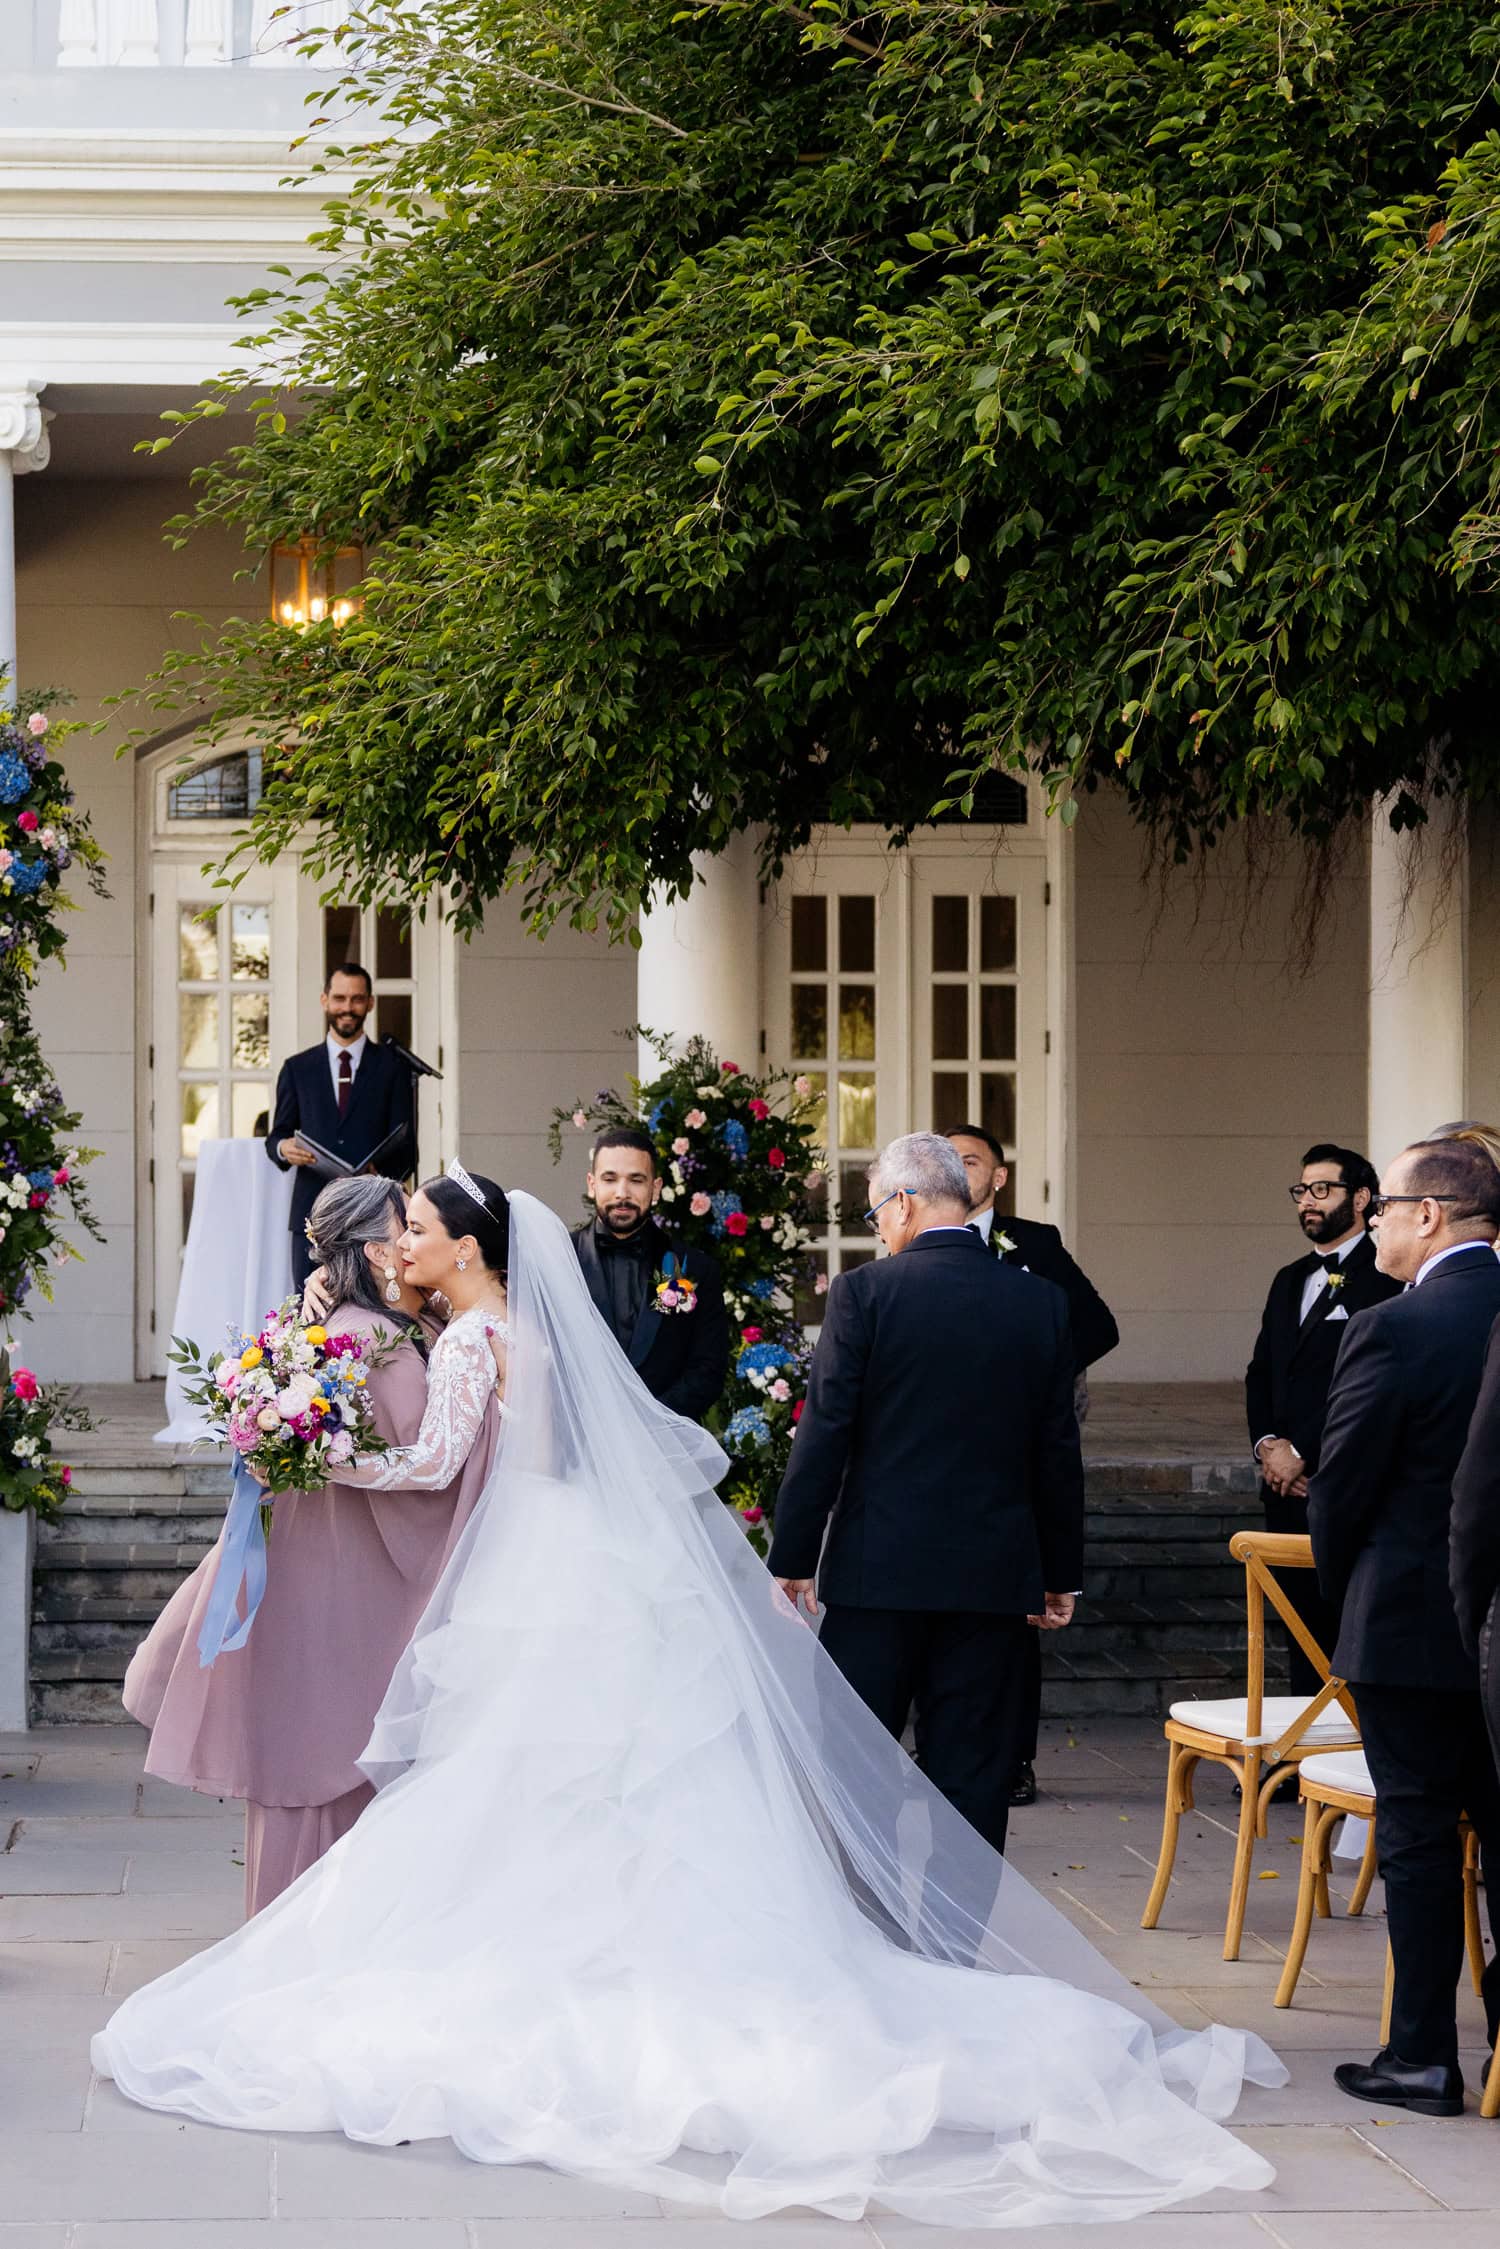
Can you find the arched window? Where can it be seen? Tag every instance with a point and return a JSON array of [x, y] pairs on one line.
[[227, 788]]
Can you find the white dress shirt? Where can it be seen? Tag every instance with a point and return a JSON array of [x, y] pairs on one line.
[[1317, 1282], [355, 1052]]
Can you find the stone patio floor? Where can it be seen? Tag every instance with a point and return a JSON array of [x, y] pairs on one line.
[[107, 1880]]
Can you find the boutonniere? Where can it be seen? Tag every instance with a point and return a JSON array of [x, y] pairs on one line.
[[1336, 1282], [674, 1290], [1007, 1246]]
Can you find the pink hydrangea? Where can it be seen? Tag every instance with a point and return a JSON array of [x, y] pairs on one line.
[[37, 723], [781, 1390], [700, 1206]]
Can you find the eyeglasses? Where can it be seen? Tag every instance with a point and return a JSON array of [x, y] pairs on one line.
[[1319, 1189], [1379, 1204], [890, 1198]]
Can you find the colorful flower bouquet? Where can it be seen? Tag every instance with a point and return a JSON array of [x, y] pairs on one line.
[[740, 1168], [29, 1412], [41, 834], [291, 1402]]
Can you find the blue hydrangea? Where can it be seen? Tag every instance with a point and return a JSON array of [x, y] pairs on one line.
[[41, 1180], [15, 778], [725, 1203], [748, 1430], [761, 1290], [27, 876], [735, 1138], [762, 1358], [654, 1115]]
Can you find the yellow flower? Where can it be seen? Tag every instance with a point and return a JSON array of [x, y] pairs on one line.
[[315, 1335], [318, 1405], [251, 1356]]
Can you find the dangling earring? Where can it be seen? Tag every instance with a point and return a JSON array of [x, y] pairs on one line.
[[461, 1263], [392, 1286]]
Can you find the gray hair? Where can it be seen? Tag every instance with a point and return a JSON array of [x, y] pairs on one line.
[[925, 1164], [349, 1213]]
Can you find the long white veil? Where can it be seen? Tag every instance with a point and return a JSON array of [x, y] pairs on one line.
[[648, 1893]]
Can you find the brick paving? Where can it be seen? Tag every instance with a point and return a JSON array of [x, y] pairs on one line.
[[106, 1880]]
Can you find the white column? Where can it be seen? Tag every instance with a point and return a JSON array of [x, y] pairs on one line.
[[1419, 980], [698, 969], [23, 445]]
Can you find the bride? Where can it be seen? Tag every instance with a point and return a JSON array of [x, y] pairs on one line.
[[646, 1893]]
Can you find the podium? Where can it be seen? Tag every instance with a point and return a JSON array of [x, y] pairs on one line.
[[237, 1265]]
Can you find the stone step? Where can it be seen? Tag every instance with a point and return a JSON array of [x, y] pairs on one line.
[[99, 1664], [77, 1702], [153, 1587], [181, 1555]]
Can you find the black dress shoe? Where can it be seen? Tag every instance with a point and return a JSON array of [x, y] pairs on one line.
[[1023, 1787], [1389, 2082]]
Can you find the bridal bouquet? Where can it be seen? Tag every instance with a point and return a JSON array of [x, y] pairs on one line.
[[291, 1402]]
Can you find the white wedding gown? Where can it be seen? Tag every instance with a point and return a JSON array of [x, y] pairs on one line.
[[649, 1896]]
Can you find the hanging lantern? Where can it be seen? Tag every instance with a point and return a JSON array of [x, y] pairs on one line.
[[312, 584]]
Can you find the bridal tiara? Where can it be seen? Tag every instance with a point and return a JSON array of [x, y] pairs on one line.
[[460, 1178]]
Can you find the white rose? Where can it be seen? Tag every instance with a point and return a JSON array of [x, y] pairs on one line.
[[669, 1194], [296, 1397]]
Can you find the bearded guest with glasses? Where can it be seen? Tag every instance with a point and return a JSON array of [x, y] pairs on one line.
[[1307, 1315]]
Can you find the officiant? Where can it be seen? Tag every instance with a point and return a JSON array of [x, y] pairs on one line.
[[347, 1095]]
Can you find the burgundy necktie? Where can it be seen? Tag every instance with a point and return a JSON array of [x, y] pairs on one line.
[[346, 1081]]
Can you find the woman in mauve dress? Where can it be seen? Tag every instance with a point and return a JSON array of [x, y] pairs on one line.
[[281, 1721]]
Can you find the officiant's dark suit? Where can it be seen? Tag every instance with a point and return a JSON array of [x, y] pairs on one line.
[[682, 1357], [1286, 1394], [380, 1103], [1403, 1392], [948, 1524]]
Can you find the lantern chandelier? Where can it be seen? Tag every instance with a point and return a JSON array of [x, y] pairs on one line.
[[314, 584]]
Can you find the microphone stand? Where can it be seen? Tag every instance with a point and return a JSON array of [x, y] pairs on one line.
[[417, 1070]]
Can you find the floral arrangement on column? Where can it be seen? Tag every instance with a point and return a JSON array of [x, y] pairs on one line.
[[41, 1188], [737, 1155]]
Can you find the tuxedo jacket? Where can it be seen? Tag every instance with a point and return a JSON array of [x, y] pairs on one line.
[[1474, 1551], [380, 1102], [939, 1434], [1404, 1392], [1288, 1378], [682, 1357], [1039, 1249]]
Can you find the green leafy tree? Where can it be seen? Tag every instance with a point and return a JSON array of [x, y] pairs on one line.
[[760, 414]]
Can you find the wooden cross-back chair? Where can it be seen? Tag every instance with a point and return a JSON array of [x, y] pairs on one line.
[[1260, 1738]]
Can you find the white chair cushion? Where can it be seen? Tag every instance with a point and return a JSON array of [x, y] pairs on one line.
[[1330, 1729], [1343, 1769]]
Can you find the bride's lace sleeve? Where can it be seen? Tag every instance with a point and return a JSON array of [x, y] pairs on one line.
[[460, 1384]]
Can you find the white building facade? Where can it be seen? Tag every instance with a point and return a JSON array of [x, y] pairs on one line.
[[1154, 1060]]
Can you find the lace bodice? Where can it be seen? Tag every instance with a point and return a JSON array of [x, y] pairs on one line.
[[460, 1384]]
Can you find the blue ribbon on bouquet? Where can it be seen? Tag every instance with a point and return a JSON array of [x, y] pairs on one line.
[[242, 1561]]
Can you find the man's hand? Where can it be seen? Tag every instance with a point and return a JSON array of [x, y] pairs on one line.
[[1057, 1611], [799, 1591], [1281, 1466], [293, 1152], [317, 1303]]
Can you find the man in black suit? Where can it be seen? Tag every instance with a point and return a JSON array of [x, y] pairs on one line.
[[349, 1094], [1474, 1557], [1307, 1315], [1379, 1510], [681, 1355], [954, 1533], [1034, 1248]]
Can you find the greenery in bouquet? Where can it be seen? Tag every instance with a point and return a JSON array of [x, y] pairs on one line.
[[291, 1401], [29, 1413], [740, 1170], [42, 834]]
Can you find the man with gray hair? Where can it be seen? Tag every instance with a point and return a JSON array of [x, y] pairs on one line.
[[953, 1534]]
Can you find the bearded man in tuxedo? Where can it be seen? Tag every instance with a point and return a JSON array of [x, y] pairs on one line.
[[953, 1535], [1380, 1512], [680, 1352], [1032, 1247], [1307, 1315]]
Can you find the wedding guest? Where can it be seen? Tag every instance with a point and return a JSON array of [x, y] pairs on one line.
[[946, 1547], [1308, 1309], [1379, 1506], [281, 1721], [682, 1353], [1474, 1554], [1034, 1248], [348, 1093]]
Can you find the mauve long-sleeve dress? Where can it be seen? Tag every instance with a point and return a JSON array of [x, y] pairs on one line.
[[281, 1721]]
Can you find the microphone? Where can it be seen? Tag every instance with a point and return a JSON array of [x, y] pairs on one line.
[[414, 1062]]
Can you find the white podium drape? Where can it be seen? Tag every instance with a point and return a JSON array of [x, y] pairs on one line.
[[238, 1261]]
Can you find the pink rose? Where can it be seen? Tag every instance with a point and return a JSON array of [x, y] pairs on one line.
[[25, 1384], [767, 1223], [36, 724], [753, 1514], [38, 1199], [820, 1285], [61, 1176], [729, 1069], [759, 1110], [736, 1224], [781, 1390], [580, 1119], [797, 1410], [680, 1146], [695, 1120], [700, 1206], [27, 821], [776, 1158], [7, 861], [802, 1087], [65, 1475], [751, 1335]]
